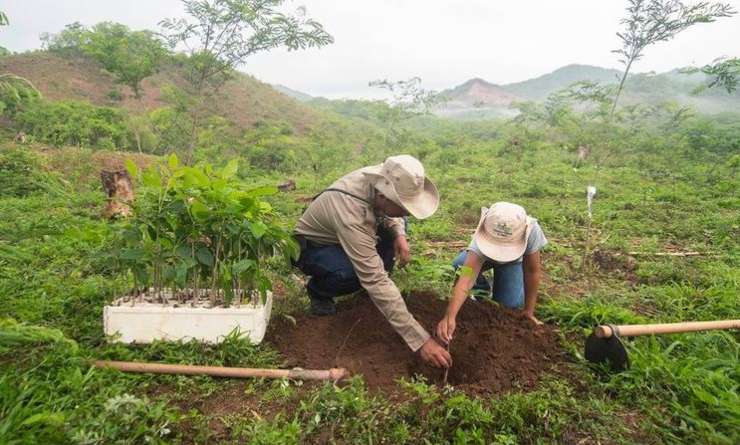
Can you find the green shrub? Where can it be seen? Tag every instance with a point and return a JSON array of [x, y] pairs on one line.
[[70, 122], [16, 93], [199, 228], [20, 173]]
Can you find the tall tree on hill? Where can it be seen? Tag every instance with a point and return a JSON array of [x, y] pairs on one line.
[[220, 36], [652, 21], [723, 73], [131, 56]]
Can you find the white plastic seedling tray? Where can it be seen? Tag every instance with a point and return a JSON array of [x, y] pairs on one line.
[[131, 321]]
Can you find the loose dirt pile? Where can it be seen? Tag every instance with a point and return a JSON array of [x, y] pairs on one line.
[[494, 349]]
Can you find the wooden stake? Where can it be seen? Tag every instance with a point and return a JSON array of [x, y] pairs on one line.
[[447, 370]]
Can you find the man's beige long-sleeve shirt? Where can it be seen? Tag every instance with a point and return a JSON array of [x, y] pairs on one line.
[[337, 218]]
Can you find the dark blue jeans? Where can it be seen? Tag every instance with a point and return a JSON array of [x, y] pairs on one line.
[[508, 281], [331, 271]]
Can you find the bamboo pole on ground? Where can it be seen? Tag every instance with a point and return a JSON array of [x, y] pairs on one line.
[[333, 374], [606, 331]]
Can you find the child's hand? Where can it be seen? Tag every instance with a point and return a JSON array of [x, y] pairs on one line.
[[445, 328]]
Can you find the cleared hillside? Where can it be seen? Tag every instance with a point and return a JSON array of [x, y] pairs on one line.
[[244, 100]]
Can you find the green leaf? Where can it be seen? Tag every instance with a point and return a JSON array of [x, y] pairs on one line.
[[132, 169], [183, 251], [173, 162], [132, 234], [196, 176], [132, 254], [243, 265], [199, 210], [258, 229], [181, 273], [151, 178], [230, 170], [704, 396], [52, 419], [262, 191], [141, 275], [205, 256]]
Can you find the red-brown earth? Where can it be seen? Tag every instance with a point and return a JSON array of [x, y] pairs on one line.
[[494, 349]]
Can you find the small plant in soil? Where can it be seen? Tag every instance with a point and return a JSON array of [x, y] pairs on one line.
[[199, 236]]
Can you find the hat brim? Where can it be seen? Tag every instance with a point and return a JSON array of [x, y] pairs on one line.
[[420, 206], [496, 250]]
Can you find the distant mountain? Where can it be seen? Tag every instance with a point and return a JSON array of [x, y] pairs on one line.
[[472, 96], [478, 98], [541, 87], [297, 95]]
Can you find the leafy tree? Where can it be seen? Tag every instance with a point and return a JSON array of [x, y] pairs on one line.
[[652, 21], [221, 35], [130, 55], [3, 19], [71, 39], [15, 93], [409, 99], [724, 73]]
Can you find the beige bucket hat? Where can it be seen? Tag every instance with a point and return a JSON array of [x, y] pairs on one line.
[[503, 231], [401, 178]]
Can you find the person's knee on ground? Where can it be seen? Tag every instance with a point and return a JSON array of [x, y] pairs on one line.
[[331, 274]]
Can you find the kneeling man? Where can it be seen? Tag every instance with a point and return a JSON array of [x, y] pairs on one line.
[[350, 234]]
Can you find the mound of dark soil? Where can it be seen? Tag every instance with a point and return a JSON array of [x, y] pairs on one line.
[[493, 351]]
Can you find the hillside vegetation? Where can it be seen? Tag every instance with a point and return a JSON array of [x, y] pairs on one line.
[[660, 245], [244, 101]]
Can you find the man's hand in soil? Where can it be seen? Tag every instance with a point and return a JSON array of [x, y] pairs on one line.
[[445, 328], [401, 247], [435, 355], [530, 316]]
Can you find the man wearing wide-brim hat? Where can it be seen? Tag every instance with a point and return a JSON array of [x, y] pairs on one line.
[[508, 241], [350, 234]]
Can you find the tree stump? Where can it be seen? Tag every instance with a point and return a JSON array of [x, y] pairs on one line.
[[287, 186], [117, 184]]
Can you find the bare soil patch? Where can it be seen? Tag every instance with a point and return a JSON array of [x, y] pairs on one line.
[[494, 350]]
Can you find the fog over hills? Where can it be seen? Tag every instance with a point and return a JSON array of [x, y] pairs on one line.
[[479, 98]]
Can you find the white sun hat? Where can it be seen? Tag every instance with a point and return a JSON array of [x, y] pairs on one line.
[[401, 178], [503, 231]]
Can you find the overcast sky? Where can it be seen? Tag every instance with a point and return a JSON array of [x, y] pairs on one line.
[[445, 42]]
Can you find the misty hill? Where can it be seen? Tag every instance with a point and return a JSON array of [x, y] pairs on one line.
[[473, 95], [297, 95], [540, 87], [479, 98], [245, 101]]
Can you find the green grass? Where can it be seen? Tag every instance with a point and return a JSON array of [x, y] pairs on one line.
[[657, 192]]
